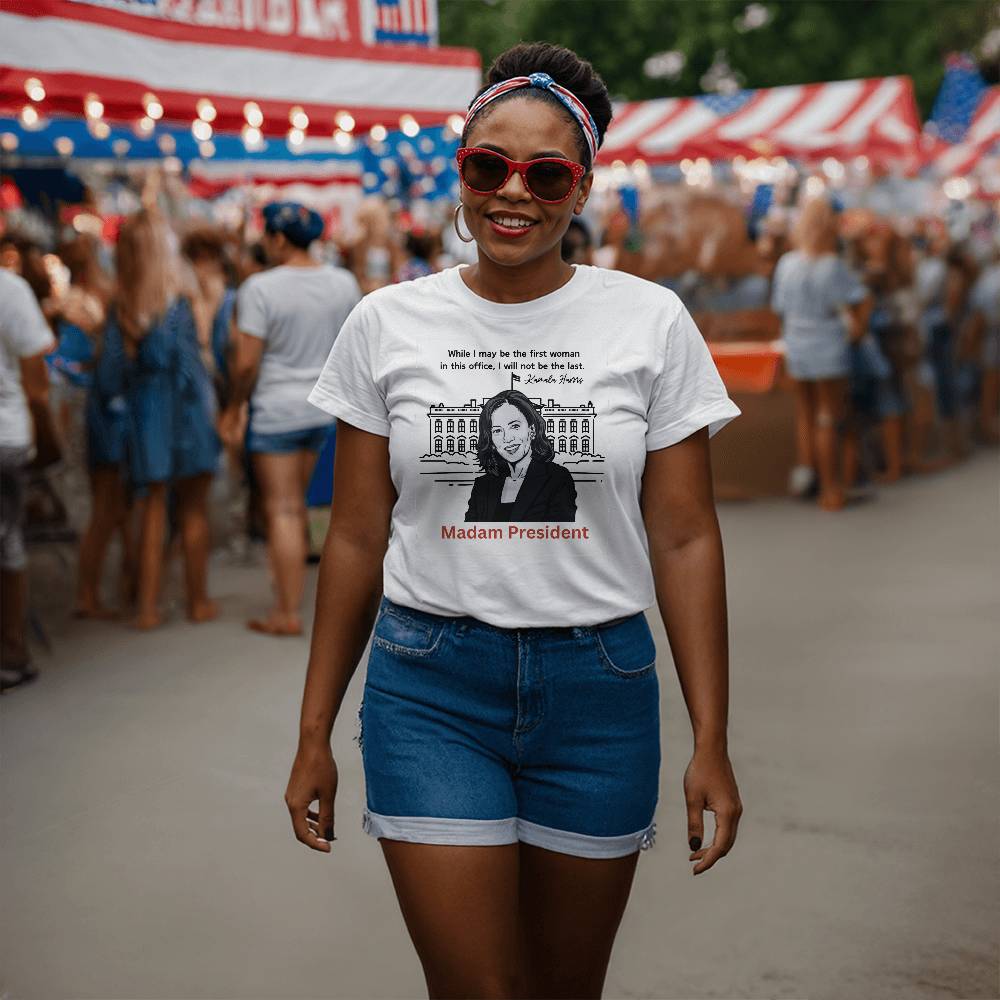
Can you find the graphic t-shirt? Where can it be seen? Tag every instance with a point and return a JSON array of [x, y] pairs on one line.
[[517, 438]]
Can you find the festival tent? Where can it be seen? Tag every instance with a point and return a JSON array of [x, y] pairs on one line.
[[273, 66], [876, 118]]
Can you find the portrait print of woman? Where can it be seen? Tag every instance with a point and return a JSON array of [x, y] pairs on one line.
[[520, 481]]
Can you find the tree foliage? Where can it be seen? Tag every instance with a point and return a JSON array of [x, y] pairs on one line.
[[805, 41]]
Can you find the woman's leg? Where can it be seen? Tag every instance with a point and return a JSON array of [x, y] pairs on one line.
[[107, 510], [192, 498], [805, 411], [152, 531], [570, 911], [831, 396], [280, 478], [460, 906]]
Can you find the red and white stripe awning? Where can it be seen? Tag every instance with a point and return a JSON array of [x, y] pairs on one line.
[[960, 158], [120, 56], [876, 118]]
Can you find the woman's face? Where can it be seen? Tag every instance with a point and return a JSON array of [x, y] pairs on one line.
[[523, 129], [512, 433]]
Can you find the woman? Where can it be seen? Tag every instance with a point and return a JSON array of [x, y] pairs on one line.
[[819, 300], [511, 705], [151, 356], [521, 482], [287, 319]]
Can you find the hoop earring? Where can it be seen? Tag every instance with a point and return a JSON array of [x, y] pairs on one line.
[[458, 208]]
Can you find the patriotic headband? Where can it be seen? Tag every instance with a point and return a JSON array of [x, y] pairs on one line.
[[543, 82]]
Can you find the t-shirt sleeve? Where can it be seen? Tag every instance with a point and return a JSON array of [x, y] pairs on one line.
[[24, 329], [347, 386], [688, 393], [251, 314]]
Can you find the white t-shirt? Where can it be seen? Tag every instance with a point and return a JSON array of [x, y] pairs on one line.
[[23, 333], [614, 367], [297, 312]]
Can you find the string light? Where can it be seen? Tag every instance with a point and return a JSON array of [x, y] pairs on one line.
[[378, 133], [296, 137], [120, 147], [167, 144], [145, 126], [64, 145], [206, 110], [409, 125], [253, 114], [456, 123], [99, 129], [92, 106], [34, 89], [8, 142], [201, 130], [154, 109], [29, 116], [252, 137], [298, 118], [345, 121], [206, 149], [344, 140]]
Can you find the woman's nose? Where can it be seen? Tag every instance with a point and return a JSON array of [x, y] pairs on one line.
[[515, 188]]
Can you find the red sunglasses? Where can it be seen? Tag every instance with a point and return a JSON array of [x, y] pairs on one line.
[[549, 178]]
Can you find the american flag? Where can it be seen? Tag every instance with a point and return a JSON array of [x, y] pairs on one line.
[[872, 117], [401, 22], [965, 122]]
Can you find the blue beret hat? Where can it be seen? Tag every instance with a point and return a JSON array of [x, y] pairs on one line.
[[300, 225]]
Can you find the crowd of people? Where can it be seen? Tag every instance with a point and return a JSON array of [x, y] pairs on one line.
[[190, 359]]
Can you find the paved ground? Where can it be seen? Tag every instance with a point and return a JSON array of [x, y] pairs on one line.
[[147, 851]]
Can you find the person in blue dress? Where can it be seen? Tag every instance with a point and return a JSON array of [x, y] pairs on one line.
[[153, 357]]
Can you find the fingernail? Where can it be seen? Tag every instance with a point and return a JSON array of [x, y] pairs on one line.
[[695, 843]]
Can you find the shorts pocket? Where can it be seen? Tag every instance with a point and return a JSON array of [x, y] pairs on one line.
[[627, 648], [398, 632]]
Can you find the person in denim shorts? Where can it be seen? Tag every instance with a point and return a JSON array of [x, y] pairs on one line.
[[509, 726]]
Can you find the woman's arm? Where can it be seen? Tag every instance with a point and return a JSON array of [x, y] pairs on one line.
[[347, 600], [685, 549]]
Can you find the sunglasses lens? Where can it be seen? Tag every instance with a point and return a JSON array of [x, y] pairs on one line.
[[483, 171], [550, 181]]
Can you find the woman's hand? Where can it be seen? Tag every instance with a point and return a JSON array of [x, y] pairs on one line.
[[709, 784], [232, 426], [314, 777]]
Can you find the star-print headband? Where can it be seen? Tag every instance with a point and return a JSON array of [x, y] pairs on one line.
[[543, 82]]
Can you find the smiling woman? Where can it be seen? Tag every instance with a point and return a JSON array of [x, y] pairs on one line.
[[511, 705]]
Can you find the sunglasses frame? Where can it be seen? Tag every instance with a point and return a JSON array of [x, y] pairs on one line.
[[578, 170]]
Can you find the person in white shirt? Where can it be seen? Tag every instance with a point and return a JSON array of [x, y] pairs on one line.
[[511, 705], [287, 319], [25, 339]]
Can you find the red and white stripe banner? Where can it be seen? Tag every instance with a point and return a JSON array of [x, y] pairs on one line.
[[313, 56], [875, 117]]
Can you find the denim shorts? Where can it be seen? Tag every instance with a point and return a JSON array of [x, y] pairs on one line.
[[478, 735], [286, 442]]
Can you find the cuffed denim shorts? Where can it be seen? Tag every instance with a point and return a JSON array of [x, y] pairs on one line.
[[477, 735], [286, 442]]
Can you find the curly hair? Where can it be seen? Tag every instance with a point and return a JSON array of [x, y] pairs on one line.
[[486, 453], [567, 69]]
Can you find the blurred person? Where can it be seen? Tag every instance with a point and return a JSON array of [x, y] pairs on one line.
[[213, 299], [940, 288], [374, 255], [511, 706], [25, 339], [577, 246], [287, 320], [152, 356], [822, 305], [982, 335], [420, 247], [81, 317]]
